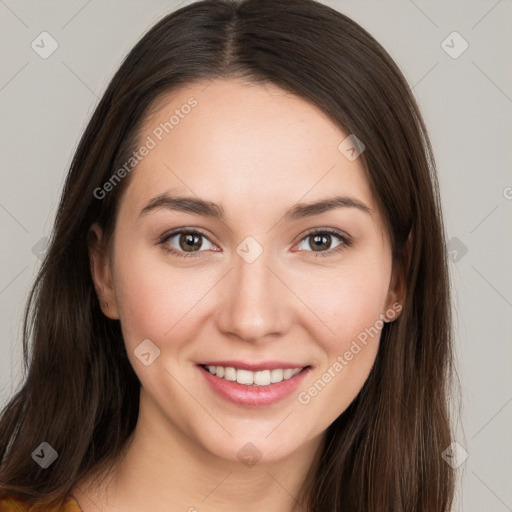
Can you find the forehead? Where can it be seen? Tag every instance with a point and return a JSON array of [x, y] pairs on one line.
[[250, 147]]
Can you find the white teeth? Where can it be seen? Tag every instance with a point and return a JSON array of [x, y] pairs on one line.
[[262, 378], [230, 373], [287, 374], [276, 375], [244, 377], [248, 378]]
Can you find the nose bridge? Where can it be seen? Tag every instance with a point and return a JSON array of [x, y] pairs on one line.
[[253, 306]]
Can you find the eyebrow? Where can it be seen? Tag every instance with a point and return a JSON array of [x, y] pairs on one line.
[[204, 208], [302, 210]]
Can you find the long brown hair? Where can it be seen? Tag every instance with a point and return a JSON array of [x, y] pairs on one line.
[[80, 393]]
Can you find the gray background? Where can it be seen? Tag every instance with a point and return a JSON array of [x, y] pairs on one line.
[[467, 104]]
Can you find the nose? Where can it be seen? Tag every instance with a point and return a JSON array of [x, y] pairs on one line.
[[255, 306]]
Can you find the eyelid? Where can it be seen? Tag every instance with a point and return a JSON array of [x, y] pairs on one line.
[[344, 238], [164, 239]]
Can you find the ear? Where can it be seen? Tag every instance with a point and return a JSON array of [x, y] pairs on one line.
[[396, 296], [99, 259], [398, 286]]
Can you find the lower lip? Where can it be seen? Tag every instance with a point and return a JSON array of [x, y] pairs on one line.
[[253, 396]]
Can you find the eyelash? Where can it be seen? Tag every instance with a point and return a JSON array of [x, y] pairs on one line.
[[345, 242]]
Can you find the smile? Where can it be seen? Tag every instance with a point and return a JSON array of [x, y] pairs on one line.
[[249, 378], [253, 388]]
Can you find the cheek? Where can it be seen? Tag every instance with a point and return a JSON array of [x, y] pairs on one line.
[[346, 303], [159, 301], [350, 307]]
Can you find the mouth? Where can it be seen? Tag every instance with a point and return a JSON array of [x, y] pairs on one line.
[[261, 387], [258, 378]]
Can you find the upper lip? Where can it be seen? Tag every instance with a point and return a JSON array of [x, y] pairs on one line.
[[254, 367]]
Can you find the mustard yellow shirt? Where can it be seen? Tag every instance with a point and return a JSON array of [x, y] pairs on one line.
[[11, 503]]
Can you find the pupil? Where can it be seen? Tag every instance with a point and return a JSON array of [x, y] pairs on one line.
[[190, 242], [321, 242]]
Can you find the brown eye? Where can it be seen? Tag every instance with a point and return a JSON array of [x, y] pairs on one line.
[[190, 242], [323, 241], [187, 242], [320, 242]]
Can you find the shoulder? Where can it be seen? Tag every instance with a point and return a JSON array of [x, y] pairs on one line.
[[12, 503]]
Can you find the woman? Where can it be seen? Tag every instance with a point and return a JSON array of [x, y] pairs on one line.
[[245, 302]]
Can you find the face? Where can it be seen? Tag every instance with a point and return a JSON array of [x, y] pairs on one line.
[[220, 258]]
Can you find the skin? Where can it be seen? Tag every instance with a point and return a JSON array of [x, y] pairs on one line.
[[256, 150]]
